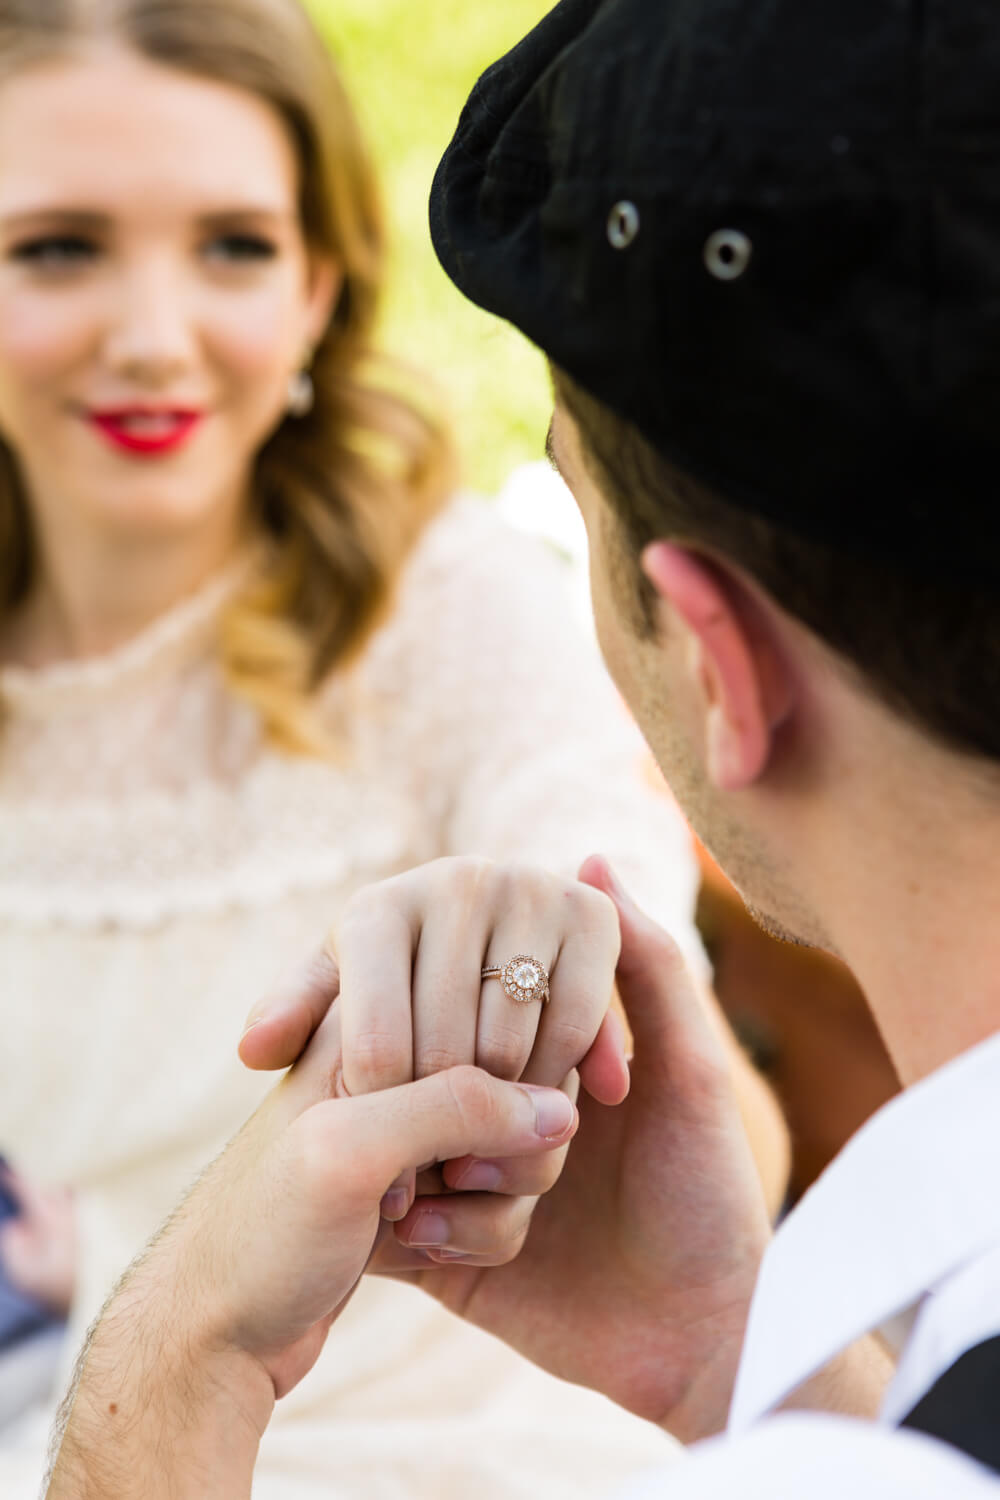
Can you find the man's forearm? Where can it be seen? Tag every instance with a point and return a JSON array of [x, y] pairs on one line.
[[151, 1417]]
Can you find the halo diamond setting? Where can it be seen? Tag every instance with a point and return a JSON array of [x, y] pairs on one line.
[[524, 979]]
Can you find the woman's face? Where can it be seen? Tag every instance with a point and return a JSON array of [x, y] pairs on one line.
[[155, 291]]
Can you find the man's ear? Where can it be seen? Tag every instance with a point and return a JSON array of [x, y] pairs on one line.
[[745, 687]]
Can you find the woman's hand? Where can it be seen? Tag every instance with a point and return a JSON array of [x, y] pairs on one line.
[[406, 959], [38, 1246]]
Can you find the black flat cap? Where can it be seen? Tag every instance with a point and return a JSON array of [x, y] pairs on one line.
[[768, 233]]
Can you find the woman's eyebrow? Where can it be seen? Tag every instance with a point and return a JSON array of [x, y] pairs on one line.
[[77, 218], [243, 211], [94, 219]]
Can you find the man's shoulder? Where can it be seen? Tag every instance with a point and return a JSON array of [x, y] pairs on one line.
[[962, 1407]]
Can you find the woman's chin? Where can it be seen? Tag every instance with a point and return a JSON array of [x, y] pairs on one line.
[[154, 513]]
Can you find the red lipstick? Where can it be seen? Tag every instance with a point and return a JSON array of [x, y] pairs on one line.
[[145, 430]]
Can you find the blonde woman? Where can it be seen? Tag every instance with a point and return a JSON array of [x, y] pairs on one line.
[[252, 658]]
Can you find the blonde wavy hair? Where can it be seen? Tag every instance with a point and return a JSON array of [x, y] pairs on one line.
[[344, 491]]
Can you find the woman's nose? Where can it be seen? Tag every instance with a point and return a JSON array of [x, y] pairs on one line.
[[150, 335]]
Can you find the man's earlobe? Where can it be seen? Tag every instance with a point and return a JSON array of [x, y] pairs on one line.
[[744, 690]]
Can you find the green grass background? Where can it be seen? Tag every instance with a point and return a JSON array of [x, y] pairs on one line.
[[409, 66]]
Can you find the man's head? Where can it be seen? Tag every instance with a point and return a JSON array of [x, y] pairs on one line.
[[761, 247]]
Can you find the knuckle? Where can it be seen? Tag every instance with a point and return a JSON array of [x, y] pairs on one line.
[[319, 1165], [436, 1059], [502, 1051], [360, 911], [456, 883], [510, 1249], [598, 914], [545, 1173], [472, 1095], [669, 954], [525, 885], [374, 1059], [461, 871], [571, 1039]]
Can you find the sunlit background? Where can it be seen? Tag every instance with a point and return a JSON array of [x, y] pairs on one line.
[[409, 80]]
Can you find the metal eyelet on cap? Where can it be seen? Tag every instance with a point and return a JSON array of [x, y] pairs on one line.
[[727, 254], [623, 224]]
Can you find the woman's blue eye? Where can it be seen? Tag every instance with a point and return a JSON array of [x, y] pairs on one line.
[[242, 247], [55, 251]]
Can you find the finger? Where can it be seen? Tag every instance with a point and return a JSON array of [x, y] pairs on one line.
[[398, 1199], [447, 980], [375, 949], [279, 1027], [526, 924], [581, 986], [399, 1261], [516, 1176], [513, 1177], [604, 1072], [374, 944], [318, 1074], [444, 1005], [469, 1225], [659, 997], [358, 1147]]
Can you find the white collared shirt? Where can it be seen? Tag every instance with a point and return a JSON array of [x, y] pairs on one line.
[[906, 1221]]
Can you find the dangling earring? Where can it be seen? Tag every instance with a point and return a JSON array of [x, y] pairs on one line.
[[301, 394], [301, 391]]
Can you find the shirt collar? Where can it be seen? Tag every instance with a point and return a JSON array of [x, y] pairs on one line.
[[907, 1200]]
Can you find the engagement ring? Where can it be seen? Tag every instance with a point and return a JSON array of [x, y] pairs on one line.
[[523, 978]]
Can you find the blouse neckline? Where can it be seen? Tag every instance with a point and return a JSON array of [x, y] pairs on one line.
[[182, 634]]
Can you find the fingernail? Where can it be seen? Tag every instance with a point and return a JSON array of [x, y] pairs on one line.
[[429, 1231], [449, 1255], [394, 1204], [554, 1113], [480, 1176], [252, 1020]]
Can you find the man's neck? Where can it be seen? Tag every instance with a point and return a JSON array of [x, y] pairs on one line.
[[907, 879]]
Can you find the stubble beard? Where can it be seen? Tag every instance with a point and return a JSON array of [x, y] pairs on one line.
[[768, 898]]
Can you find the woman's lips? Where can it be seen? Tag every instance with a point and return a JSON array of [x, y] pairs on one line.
[[142, 430]]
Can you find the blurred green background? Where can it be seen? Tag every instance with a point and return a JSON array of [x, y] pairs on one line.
[[409, 66]]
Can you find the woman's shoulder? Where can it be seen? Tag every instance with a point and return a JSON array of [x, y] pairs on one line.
[[476, 583], [472, 537], [491, 624]]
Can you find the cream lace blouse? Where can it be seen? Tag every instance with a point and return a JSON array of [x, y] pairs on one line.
[[160, 866]]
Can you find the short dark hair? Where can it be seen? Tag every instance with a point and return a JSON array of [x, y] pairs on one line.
[[930, 649]]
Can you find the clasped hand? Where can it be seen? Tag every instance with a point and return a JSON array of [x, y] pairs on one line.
[[424, 1133], [419, 1070]]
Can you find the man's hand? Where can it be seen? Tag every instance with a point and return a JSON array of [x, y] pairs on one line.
[[638, 1269], [231, 1304], [637, 1275]]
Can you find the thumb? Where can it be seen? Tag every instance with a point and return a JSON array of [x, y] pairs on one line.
[[657, 991], [279, 1027], [367, 1141]]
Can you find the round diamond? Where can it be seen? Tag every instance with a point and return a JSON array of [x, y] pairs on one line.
[[525, 976]]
